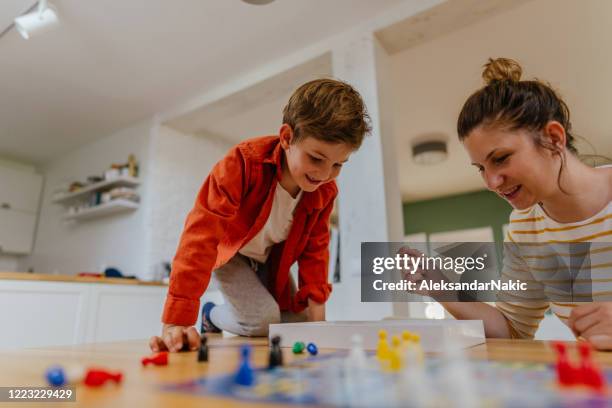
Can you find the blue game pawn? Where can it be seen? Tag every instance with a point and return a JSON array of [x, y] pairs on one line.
[[312, 349], [244, 375], [55, 376]]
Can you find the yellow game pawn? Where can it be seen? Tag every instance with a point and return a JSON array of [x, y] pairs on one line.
[[382, 351], [406, 340], [395, 355], [418, 350]]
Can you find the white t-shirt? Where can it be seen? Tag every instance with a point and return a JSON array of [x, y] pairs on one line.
[[276, 228], [540, 269]]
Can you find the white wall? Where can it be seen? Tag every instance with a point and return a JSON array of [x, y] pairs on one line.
[[10, 263], [180, 163], [564, 42], [117, 240]]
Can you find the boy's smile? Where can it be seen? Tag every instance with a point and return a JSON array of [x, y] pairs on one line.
[[310, 162]]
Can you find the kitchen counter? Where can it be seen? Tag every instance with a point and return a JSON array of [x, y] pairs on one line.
[[44, 277]]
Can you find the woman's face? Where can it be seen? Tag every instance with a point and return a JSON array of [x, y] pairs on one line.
[[513, 166]]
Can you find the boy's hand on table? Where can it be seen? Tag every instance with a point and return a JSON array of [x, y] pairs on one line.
[[593, 322], [174, 337]]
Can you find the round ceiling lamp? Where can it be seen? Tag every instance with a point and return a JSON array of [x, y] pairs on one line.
[[258, 2], [429, 151]]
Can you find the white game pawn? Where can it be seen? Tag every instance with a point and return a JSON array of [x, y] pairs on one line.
[[354, 372], [416, 387], [357, 356], [458, 378]]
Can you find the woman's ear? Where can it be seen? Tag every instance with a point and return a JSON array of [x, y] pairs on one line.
[[555, 133], [286, 135]]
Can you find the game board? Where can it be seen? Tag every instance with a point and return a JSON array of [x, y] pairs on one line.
[[329, 380]]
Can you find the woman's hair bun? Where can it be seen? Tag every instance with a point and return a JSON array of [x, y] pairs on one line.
[[501, 69]]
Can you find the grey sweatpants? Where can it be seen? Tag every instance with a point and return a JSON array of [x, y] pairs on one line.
[[249, 307]]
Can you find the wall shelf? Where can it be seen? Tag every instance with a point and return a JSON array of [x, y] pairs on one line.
[[111, 207], [124, 181]]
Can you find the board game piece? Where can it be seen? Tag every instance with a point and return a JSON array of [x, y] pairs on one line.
[[406, 339], [245, 376], [276, 354], [97, 377], [416, 385], [312, 349], [56, 376], [590, 373], [417, 348], [357, 356], [298, 347], [395, 355], [566, 374], [458, 378], [382, 351], [158, 359], [203, 350]]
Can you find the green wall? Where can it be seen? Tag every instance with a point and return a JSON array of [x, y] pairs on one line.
[[462, 211]]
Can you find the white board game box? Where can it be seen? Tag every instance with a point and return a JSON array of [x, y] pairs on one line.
[[435, 335]]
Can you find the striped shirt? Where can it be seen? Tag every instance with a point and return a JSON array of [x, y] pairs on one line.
[[563, 265]]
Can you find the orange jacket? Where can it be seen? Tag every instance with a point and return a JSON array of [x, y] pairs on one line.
[[231, 208]]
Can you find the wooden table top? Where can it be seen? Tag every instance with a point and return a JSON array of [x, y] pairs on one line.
[[141, 385]]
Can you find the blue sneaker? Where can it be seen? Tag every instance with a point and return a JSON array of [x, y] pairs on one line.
[[207, 326]]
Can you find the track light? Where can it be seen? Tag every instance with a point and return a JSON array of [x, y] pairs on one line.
[[38, 21]]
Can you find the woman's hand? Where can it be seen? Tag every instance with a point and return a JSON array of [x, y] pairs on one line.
[[593, 322], [422, 274]]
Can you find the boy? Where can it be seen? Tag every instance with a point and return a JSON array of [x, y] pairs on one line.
[[263, 207]]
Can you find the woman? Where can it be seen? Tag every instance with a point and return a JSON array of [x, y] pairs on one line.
[[519, 136]]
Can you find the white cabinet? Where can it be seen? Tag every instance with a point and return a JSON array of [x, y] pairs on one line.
[[16, 231], [19, 189], [41, 313], [19, 199]]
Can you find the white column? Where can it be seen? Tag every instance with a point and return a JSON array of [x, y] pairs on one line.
[[369, 203]]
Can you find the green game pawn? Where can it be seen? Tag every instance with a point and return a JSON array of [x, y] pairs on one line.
[[298, 347]]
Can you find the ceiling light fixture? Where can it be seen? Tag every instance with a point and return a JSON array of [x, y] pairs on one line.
[[38, 21], [258, 2], [428, 152]]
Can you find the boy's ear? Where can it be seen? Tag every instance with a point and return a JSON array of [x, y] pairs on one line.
[[286, 135]]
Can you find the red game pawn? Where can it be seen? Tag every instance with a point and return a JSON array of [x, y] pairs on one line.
[[96, 377], [566, 374], [590, 373], [159, 359]]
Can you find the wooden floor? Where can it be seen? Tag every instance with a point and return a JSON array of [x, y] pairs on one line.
[[141, 385]]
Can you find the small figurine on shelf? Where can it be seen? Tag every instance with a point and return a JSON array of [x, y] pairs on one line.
[[123, 169], [132, 166]]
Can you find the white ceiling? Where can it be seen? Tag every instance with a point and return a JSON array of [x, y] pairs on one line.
[[436, 65], [101, 71], [255, 110], [563, 42], [114, 62]]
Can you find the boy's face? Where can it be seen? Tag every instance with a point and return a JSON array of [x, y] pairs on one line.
[[311, 162]]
